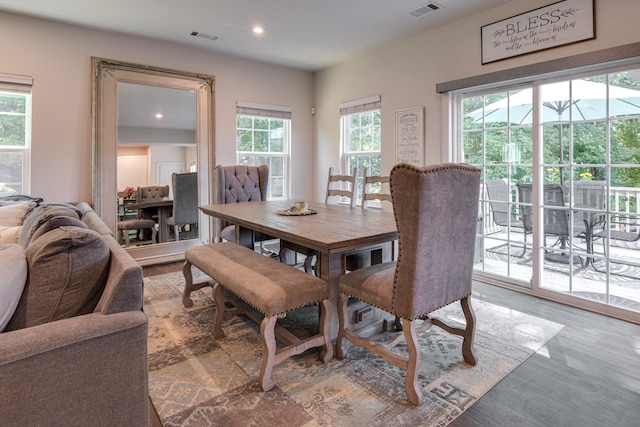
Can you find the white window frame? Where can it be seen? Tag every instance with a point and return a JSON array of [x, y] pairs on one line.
[[20, 85], [347, 110], [269, 112]]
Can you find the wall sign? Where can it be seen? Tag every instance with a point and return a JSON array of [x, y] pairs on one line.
[[557, 24], [410, 136]]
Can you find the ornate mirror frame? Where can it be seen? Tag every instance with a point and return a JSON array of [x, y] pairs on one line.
[[106, 75]]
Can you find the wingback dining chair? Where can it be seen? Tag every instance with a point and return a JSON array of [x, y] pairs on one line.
[[436, 211], [185, 202], [339, 187], [239, 184]]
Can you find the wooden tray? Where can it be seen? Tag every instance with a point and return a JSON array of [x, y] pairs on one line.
[[295, 213]]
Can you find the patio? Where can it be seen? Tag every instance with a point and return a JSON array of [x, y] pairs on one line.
[[579, 279]]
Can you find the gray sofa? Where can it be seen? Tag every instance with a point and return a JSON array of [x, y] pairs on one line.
[[83, 365]]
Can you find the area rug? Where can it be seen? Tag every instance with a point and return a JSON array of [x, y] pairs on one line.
[[195, 380]]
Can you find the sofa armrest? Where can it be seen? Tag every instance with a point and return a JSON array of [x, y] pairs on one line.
[[85, 370]]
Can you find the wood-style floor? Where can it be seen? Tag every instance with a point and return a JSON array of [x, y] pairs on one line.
[[588, 375]]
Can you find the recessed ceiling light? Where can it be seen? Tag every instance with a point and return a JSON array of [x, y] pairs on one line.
[[258, 29], [159, 115]]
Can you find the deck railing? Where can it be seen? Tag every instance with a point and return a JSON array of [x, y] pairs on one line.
[[623, 200]]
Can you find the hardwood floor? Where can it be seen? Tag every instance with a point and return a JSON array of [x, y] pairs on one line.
[[588, 375]]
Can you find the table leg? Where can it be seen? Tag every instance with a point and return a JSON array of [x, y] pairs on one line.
[[331, 268]]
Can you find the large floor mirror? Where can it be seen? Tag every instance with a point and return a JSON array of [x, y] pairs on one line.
[[153, 151]]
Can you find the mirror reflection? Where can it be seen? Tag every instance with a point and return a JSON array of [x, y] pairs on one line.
[[156, 164]]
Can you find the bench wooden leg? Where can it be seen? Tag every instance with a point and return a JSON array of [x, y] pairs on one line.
[[267, 332], [188, 278], [218, 299], [343, 323], [324, 323]]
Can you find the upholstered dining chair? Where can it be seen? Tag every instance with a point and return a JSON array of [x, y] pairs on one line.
[[185, 202], [436, 211], [339, 187], [239, 184]]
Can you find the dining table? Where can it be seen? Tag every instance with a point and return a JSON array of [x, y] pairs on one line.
[[163, 208], [332, 230]]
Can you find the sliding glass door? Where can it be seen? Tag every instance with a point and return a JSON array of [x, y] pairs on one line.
[[561, 180]]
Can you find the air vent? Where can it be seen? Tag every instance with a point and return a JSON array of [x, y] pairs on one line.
[[204, 35], [427, 8]]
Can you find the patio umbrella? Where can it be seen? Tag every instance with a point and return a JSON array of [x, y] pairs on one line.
[[587, 99], [583, 99]]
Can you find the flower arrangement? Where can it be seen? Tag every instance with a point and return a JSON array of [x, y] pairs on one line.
[[129, 192]]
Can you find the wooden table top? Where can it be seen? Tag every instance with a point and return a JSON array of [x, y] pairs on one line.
[[333, 229]]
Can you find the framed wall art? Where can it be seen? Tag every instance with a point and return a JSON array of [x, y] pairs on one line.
[[410, 136], [560, 23]]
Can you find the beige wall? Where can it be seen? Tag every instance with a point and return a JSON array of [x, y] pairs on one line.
[[406, 73], [58, 57]]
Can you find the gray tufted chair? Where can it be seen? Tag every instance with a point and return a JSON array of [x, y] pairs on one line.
[[239, 184], [436, 211]]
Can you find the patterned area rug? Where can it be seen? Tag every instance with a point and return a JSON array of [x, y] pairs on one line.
[[195, 380]]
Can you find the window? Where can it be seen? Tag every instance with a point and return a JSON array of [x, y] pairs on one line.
[[15, 134], [578, 153], [361, 138], [262, 138]]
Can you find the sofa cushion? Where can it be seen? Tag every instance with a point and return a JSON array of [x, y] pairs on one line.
[[13, 265], [68, 268], [41, 215]]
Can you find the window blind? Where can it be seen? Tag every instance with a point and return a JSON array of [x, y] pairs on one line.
[[360, 105], [16, 83], [263, 110]]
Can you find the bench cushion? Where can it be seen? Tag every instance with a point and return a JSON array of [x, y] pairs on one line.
[[269, 286]]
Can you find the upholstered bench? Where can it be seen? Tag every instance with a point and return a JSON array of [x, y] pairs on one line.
[[271, 287]]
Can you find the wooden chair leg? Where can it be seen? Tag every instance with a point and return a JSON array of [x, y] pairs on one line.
[[218, 299], [342, 324], [411, 385], [467, 343], [267, 332]]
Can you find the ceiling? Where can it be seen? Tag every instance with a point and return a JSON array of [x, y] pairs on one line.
[[304, 34]]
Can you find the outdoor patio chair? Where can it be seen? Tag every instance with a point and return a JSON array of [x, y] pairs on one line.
[[503, 215], [623, 228], [436, 211], [555, 219]]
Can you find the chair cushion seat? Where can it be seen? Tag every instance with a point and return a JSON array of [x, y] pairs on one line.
[[372, 284], [136, 224]]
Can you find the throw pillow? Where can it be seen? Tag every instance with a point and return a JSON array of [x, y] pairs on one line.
[[13, 265], [68, 269], [41, 215], [13, 214], [10, 234], [57, 222]]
